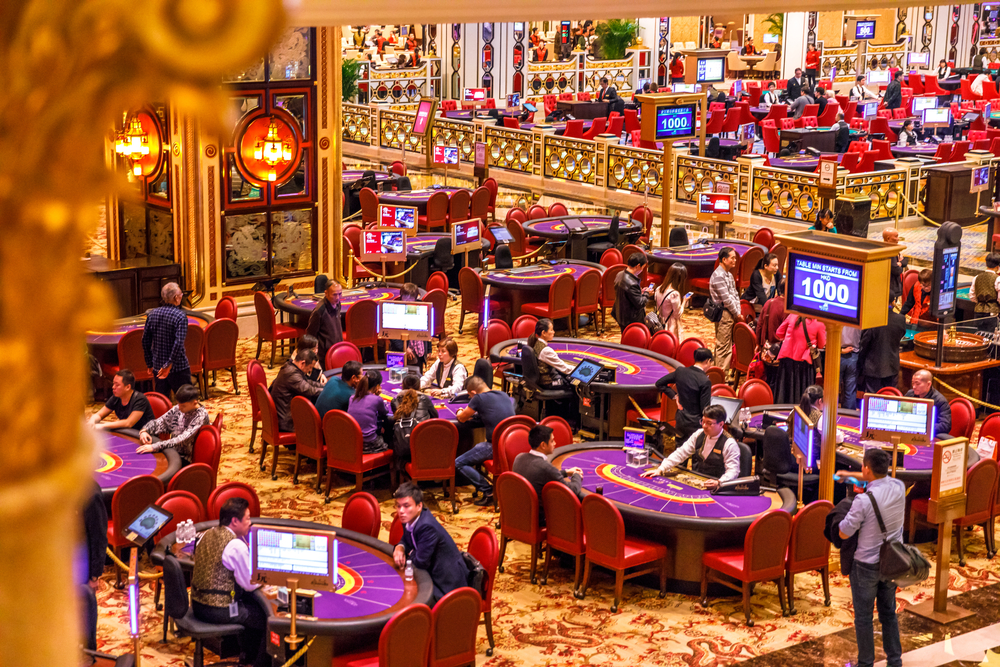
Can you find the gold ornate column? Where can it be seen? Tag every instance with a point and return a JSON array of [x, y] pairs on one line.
[[67, 70]]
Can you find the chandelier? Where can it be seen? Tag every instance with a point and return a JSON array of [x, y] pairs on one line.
[[133, 144], [272, 150]]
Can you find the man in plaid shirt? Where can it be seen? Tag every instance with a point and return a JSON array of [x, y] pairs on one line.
[[182, 422], [163, 342], [722, 289]]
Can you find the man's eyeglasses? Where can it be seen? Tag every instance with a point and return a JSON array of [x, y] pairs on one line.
[[708, 422]]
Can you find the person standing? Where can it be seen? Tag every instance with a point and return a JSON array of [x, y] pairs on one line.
[[812, 64], [426, 543], [843, 140], [163, 342], [894, 91], [535, 467], [693, 393], [630, 302], [90, 559], [878, 357], [798, 335], [677, 68], [324, 322], [899, 264], [850, 342], [669, 298], [794, 86], [493, 407], [867, 587], [722, 289]]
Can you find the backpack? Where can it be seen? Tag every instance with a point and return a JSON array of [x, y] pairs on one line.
[[476, 578], [401, 431]]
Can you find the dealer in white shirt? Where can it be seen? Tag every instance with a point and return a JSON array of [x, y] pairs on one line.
[[715, 453], [446, 376]]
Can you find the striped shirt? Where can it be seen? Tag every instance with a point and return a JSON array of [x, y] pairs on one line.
[[182, 427], [163, 339], [722, 289]]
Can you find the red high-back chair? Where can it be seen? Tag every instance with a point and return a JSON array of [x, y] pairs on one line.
[[255, 376], [561, 430], [519, 518], [184, 505], [309, 440], [221, 337], [574, 129], [808, 548], [455, 619], [224, 492], [340, 353], [226, 309], [980, 493], [564, 523], [635, 335], [610, 257], [963, 417], [495, 331], [484, 547], [362, 514], [269, 433], [586, 298], [269, 330], [756, 392], [437, 212], [433, 446], [560, 303], [345, 451], [523, 326], [361, 324], [159, 403], [686, 349], [663, 342]]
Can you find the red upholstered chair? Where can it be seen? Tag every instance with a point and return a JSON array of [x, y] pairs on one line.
[[398, 168], [762, 558], [644, 216], [558, 209], [405, 640], [995, 146], [756, 392], [130, 356], [439, 300], [437, 212], [610, 257], [931, 85], [269, 433], [732, 122], [583, 97], [550, 103], [255, 376], [369, 205], [523, 326], [560, 303], [981, 145], [990, 428], [455, 620], [520, 247], [686, 349], [361, 326], [129, 499], [608, 291], [716, 121], [574, 129], [723, 389], [788, 124], [158, 402], [345, 451], [495, 331], [269, 330], [565, 97], [471, 287], [586, 298], [867, 162], [959, 150], [716, 375], [514, 444], [564, 520], [808, 549], [437, 280], [226, 309], [219, 351], [943, 152], [492, 185], [829, 116], [184, 506], [309, 441], [857, 147], [608, 546], [769, 133], [663, 342], [561, 429], [635, 335], [362, 514], [616, 125], [882, 149], [519, 516], [850, 161], [484, 547], [511, 123], [910, 277], [458, 206], [208, 450], [352, 233], [963, 417], [433, 446], [631, 121], [340, 353], [537, 212], [981, 493], [224, 492], [395, 530], [810, 121], [764, 236], [744, 349], [596, 127], [479, 204], [449, 105]]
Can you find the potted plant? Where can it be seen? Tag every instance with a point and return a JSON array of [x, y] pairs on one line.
[[775, 24], [350, 72], [615, 36]]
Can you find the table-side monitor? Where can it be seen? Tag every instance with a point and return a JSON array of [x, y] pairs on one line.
[[146, 524], [868, 110], [715, 206], [474, 94], [864, 30], [383, 245], [804, 436], [412, 319], [731, 405], [878, 76], [711, 70], [675, 121], [398, 217], [445, 154], [465, 236], [910, 419], [279, 553], [921, 103], [915, 59], [936, 118]]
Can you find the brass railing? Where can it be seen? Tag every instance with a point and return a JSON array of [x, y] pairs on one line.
[[581, 73], [457, 133], [510, 149], [634, 169], [394, 131], [886, 189], [358, 123], [570, 159], [696, 174], [844, 58]]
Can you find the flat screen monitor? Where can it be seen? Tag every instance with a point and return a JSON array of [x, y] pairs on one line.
[[424, 117], [683, 88], [279, 553], [412, 318], [529, 107], [445, 154], [823, 287], [146, 524], [948, 279], [865, 30], [383, 245], [465, 236], [711, 70], [715, 206], [634, 437], [934, 118], [585, 372], [747, 133], [912, 419], [878, 76], [501, 235], [980, 179], [737, 88], [729, 404], [914, 59], [804, 436], [868, 110], [771, 38], [673, 122], [395, 360], [513, 100], [575, 224], [474, 94], [399, 217], [921, 103]]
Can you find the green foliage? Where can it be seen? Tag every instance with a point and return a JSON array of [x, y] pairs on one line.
[[350, 72], [775, 23], [615, 36]]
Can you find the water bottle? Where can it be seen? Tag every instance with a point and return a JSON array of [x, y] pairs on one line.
[[600, 490], [408, 571]]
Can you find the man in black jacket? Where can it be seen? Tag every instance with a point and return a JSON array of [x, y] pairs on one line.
[[427, 544], [923, 387], [879, 358], [843, 140], [894, 91], [293, 380], [794, 86], [95, 524], [324, 322], [630, 302], [693, 394], [534, 466]]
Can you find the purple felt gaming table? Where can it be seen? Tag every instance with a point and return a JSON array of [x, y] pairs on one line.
[[922, 150], [559, 126], [530, 284], [416, 198], [803, 162], [118, 462], [370, 590], [301, 306], [109, 337], [351, 176], [555, 228], [699, 257], [675, 510], [445, 409]]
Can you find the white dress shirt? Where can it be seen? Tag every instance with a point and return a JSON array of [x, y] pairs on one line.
[[236, 559], [457, 378], [550, 357], [730, 454]]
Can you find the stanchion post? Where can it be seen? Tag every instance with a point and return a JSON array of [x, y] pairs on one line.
[[292, 638], [134, 604]]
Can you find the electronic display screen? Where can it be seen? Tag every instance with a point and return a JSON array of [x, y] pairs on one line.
[[918, 59], [675, 121], [514, 100], [474, 94], [387, 245], [293, 552], [803, 436], [634, 438], [423, 118], [575, 225], [683, 88], [400, 217], [771, 38], [948, 284], [737, 88], [885, 416], [878, 76], [868, 110], [445, 154], [729, 404], [465, 235], [747, 133], [980, 178], [412, 316], [711, 70], [147, 523], [921, 103], [865, 30], [936, 117], [585, 371], [501, 235], [824, 288], [395, 359], [716, 205]]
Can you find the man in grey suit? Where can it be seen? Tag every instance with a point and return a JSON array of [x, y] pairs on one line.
[[534, 466]]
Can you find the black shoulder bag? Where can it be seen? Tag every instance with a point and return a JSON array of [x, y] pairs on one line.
[[902, 564]]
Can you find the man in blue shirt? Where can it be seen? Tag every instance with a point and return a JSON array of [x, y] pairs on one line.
[[163, 342], [492, 407], [337, 392], [867, 589]]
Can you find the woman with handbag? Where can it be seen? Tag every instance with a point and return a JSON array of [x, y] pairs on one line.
[[771, 316], [802, 338], [409, 408], [670, 299], [763, 281]]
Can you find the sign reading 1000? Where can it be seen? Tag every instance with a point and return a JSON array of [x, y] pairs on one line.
[[675, 121], [823, 287]]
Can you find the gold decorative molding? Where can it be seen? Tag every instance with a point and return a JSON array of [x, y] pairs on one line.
[[212, 259]]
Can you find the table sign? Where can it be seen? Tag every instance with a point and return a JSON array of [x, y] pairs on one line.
[[948, 476], [985, 447]]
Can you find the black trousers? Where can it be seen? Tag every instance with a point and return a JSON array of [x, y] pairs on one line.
[[172, 382], [254, 623], [872, 385], [89, 616]]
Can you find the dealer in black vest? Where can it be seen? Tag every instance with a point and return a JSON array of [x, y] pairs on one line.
[[220, 585], [446, 376], [715, 453]]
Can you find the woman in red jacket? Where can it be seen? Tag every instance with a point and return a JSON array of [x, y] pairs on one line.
[[676, 69], [798, 335], [918, 301], [812, 64]]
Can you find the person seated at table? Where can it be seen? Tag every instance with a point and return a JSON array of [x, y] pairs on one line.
[[843, 139], [824, 221], [131, 407], [907, 135], [712, 451], [630, 302], [918, 301], [368, 409], [943, 71], [922, 386], [324, 321], [337, 392], [748, 49], [984, 293], [308, 342], [447, 375], [669, 298], [416, 350], [551, 368], [293, 380], [763, 281], [677, 68], [427, 544], [221, 581], [714, 148], [770, 96], [654, 87], [821, 99], [181, 422], [859, 92], [607, 93], [493, 407], [535, 467], [409, 408], [693, 393], [798, 106]]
